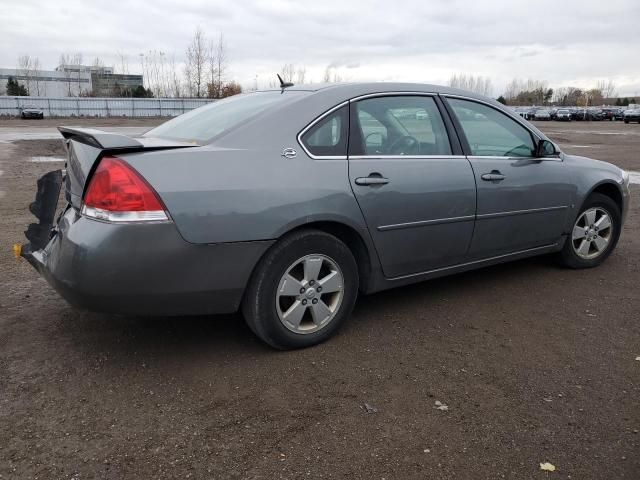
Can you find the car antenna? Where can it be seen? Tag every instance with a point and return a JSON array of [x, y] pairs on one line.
[[284, 84]]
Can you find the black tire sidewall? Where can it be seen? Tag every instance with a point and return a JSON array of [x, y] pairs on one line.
[[569, 256], [259, 305]]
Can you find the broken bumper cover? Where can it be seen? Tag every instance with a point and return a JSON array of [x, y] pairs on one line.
[[143, 269]]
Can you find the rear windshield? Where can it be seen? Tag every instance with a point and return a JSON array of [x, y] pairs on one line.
[[203, 124]]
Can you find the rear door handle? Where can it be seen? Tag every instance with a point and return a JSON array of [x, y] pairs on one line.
[[372, 180], [494, 176]]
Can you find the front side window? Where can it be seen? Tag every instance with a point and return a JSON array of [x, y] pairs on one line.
[[328, 137], [397, 125], [490, 132]]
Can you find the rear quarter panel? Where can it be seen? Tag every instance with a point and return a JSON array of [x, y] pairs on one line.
[[217, 195]]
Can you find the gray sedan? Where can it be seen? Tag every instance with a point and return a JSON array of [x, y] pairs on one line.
[[287, 204], [31, 111]]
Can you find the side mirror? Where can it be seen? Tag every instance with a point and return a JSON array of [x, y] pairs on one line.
[[545, 148]]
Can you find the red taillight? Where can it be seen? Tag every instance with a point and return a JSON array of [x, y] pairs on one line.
[[117, 192]]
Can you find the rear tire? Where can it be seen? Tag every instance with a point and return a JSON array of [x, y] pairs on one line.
[[594, 234], [284, 304]]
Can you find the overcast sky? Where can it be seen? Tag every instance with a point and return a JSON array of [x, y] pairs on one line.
[[565, 42]]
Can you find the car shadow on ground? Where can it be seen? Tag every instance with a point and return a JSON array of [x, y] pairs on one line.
[[220, 336]]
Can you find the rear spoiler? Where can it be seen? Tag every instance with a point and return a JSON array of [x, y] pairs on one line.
[[100, 139]]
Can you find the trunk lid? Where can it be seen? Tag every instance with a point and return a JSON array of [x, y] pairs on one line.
[[85, 147]]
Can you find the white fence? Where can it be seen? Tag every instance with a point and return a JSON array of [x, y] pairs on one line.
[[102, 107]]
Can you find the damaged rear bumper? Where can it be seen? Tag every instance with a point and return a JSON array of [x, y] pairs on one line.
[[137, 269]]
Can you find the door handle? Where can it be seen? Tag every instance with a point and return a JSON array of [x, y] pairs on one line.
[[494, 176], [372, 179]]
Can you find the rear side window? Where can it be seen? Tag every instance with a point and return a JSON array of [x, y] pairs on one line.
[[490, 132], [204, 123], [328, 137]]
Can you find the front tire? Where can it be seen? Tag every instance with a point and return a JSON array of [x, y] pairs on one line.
[[302, 290], [594, 235]]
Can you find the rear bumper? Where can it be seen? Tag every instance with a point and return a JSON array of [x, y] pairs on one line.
[[143, 269]]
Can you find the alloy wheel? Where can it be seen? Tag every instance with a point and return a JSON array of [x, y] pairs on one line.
[[309, 294], [592, 233]]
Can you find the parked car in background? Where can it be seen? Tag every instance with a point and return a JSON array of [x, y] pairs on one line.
[[609, 113], [31, 111], [619, 115], [287, 204], [563, 115], [542, 114], [632, 115], [578, 114], [595, 114]]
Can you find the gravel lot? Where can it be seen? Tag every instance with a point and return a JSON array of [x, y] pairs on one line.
[[535, 364]]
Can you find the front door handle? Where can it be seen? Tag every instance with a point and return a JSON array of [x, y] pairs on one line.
[[372, 179], [494, 176]]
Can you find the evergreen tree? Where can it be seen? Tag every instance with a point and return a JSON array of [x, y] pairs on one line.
[[502, 100], [15, 89]]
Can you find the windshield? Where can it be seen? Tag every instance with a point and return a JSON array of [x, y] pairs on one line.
[[204, 123]]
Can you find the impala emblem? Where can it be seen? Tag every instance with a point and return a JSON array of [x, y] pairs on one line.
[[289, 153]]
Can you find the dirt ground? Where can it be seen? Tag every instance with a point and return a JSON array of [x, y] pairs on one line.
[[535, 364]]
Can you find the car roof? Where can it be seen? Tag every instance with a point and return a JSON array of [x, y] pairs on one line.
[[351, 90]]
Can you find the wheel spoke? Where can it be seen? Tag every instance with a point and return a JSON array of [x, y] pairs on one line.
[[590, 217], [320, 312], [583, 249], [604, 222], [289, 286], [331, 283], [312, 266], [295, 313], [600, 243], [578, 232]]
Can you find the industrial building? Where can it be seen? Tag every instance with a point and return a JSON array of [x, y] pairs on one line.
[[71, 81]]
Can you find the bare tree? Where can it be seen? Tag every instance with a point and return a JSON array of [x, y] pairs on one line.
[[174, 80], [25, 69], [153, 72], [196, 63], [212, 61], [301, 74], [478, 84], [40, 86], [607, 88], [77, 64], [221, 59], [287, 72], [331, 75], [123, 63], [63, 64]]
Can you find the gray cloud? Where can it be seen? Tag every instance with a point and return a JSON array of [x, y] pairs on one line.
[[563, 42]]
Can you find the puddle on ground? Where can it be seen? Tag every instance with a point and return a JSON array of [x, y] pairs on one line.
[[46, 159]]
